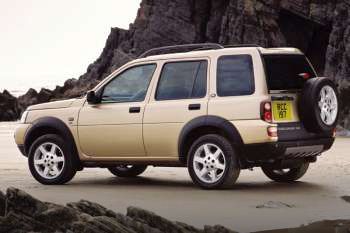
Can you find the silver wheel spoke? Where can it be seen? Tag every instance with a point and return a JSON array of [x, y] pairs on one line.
[[217, 153], [39, 162], [334, 106], [320, 104], [53, 149], [46, 171], [213, 174], [199, 160], [206, 150], [203, 172], [220, 166], [55, 170], [323, 115], [328, 115], [42, 150], [58, 159]]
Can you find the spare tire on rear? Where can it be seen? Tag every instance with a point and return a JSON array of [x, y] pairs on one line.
[[318, 105]]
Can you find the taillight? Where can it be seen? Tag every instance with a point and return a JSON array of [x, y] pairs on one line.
[[305, 75], [266, 111]]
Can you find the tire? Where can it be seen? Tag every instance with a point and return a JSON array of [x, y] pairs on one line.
[[128, 170], [313, 108], [213, 163], [291, 175], [42, 160]]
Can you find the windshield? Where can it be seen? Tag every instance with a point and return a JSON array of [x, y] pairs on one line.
[[283, 71]]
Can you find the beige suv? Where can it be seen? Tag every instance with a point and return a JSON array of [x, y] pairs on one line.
[[213, 109]]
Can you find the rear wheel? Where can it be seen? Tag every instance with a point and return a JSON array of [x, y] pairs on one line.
[[286, 175], [213, 162], [127, 170], [51, 161]]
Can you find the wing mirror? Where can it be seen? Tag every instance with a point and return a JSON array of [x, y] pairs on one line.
[[92, 98]]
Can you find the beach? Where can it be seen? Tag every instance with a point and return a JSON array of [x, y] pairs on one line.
[[169, 191]]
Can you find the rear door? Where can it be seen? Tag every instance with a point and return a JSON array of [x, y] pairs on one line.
[[286, 75], [179, 96]]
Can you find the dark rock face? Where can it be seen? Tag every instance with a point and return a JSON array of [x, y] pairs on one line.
[[338, 57], [156, 221], [19, 201], [9, 110], [92, 209], [319, 28], [25, 213], [2, 204]]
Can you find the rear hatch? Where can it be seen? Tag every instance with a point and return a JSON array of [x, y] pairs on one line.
[[286, 75]]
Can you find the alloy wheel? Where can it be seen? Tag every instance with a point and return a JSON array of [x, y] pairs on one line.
[[209, 163], [328, 105], [49, 160]]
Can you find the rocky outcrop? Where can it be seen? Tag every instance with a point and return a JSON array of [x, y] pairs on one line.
[[20, 212], [24, 213], [33, 97], [9, 109], [320, 28]]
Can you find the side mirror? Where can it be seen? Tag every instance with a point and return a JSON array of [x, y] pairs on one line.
[[92, 98]]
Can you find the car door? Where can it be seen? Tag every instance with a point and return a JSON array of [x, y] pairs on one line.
[[113, 128], [235, 97], [180, 96]]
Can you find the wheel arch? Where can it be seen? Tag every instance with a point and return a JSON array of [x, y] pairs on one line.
[[206, 125], [50, 125]]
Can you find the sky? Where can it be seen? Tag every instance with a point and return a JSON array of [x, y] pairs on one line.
[[45, 42]]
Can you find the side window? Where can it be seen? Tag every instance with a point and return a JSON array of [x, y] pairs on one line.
[[235, 75], [129, 86], [183, 80]]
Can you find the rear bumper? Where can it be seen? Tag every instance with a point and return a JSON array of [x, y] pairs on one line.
[[287, 149]]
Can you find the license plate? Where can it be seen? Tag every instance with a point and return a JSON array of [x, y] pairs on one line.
[[282, 110]]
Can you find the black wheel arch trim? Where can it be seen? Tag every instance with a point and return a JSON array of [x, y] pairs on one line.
[[224, 125], [53, 123]]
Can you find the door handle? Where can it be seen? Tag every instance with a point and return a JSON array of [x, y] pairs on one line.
[[134, 109], [194, 107]]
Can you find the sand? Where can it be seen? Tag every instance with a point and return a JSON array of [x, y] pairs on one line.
[[170, 192]]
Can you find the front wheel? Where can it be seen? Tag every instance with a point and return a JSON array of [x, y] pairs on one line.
[[213, 162], [286, 175], [51, 160], [127, 170]]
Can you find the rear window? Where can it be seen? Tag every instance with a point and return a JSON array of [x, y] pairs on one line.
[[283, 71]]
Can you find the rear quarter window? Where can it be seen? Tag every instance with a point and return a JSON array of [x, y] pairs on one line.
[[235, 75]]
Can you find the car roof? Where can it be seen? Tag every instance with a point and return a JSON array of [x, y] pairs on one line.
[[218, 52]]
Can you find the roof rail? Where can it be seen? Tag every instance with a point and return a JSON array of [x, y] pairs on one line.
[[241, 45], [180, 48]]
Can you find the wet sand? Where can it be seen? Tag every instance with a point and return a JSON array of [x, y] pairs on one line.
[[169, 191]]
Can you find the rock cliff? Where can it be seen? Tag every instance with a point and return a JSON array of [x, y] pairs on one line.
[[320, 28]]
